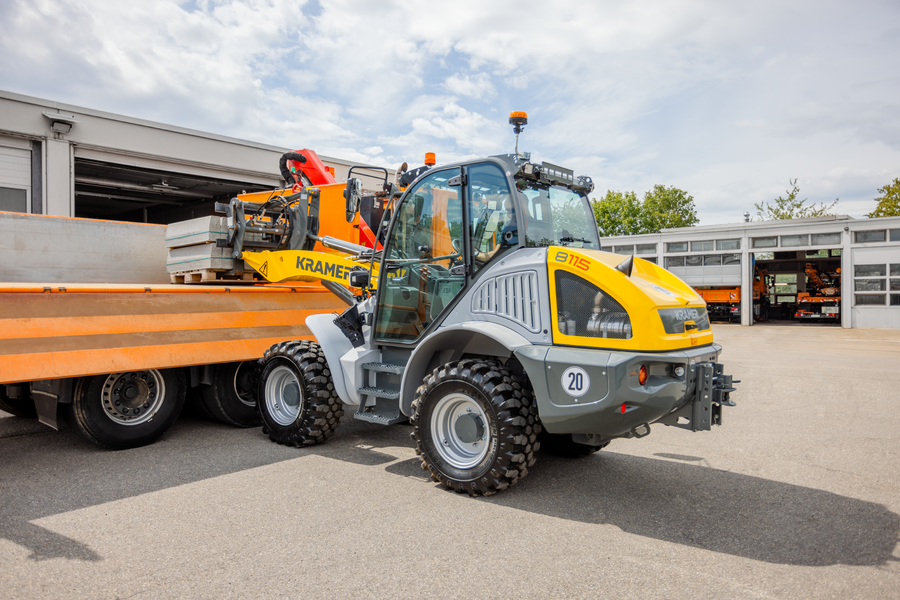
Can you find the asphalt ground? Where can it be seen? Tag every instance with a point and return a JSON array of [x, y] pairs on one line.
[[797, 495]]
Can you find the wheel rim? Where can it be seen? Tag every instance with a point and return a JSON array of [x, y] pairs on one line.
[[460, 431], [284, 395], [133, 398], [243, 383]]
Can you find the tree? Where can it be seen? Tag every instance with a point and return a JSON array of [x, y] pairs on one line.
[[889, 202], [791, 208], [621, 213], [666, 207], [618, 214]]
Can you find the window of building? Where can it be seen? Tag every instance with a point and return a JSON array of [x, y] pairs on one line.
[[826, 239], [785, 283], [895, 235], [712, 260], [895, 270], [646, 249], [728, 244], [693, 261], [676, 247], [13, 200], [786, 299], [869, 299], [895, 299], [861, 237], [789, 241], [703, 246], [624, 249], [868, 285], [607, 248], [817, 254], [836, 251], [765, 242], [674, 261], [731, 259], [869, 271], [651, 259]]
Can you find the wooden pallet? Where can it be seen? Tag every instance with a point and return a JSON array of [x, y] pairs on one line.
[[209, 276]]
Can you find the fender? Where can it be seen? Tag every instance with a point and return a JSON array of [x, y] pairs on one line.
[[452, 343], [335, 344]]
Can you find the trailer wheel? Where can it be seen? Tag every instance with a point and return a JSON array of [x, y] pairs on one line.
[[127, 410], [19, 407], [475, 426], [231, 398], [297, 401], [561, 444]]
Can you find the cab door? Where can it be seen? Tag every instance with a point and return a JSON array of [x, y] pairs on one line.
[[423, 264]]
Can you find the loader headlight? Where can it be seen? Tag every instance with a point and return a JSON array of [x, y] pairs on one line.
[[586, 310]]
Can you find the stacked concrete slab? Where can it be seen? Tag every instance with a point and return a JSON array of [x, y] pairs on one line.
[[193, 255]]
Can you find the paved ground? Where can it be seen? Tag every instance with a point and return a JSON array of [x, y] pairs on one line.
[[797, 495]]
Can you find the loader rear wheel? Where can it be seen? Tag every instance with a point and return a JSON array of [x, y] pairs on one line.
[[297, 400], [19, 407], [127, 410], [231, 398], [475, 426], [561, 444]]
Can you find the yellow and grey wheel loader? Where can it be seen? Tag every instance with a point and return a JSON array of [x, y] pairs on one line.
[[487, 316]]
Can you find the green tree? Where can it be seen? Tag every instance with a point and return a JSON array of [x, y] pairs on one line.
[[889, 202], [621, 213], [618, 213], [788, 207], [666, 207]]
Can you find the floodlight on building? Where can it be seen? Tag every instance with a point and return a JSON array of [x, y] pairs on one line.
[[60, 122], [61, 127]]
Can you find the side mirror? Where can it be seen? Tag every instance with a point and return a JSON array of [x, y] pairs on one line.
[[352, 195]]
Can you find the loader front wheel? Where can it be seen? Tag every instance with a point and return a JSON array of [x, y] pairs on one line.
[[296, 396], [475, 426], [127, 410]]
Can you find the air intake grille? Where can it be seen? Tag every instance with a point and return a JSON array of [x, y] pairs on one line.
[[585, 310], [512, 296]]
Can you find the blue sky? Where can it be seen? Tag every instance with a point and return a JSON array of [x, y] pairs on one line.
[[724, 100]]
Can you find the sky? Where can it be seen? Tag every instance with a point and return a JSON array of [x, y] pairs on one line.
[[725, 100]]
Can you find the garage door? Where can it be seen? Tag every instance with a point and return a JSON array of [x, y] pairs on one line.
[[15, 174]]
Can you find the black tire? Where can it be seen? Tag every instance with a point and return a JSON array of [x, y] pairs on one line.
[[499, 411], [297, 401], [231, 398], [561, 444], [103, 407], [19, 407]]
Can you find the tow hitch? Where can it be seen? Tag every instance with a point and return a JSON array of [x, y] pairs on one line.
[[712, 393]]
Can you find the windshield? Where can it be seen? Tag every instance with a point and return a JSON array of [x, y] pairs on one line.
[[558, 216]]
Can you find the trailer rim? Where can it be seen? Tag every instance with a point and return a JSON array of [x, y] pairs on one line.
[[134, 397]]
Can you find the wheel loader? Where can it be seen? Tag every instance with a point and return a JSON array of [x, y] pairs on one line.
[[486, 316]]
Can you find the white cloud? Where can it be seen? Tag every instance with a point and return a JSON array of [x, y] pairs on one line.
[[477, 87]]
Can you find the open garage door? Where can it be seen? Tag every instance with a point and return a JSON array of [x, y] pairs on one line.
[[798, 287], [116, 192]]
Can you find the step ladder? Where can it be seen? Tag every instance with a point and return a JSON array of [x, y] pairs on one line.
[[385, 390]]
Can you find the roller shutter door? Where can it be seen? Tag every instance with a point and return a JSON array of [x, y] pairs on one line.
[[15, 175]]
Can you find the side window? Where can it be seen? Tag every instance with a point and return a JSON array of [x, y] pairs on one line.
[[415, 281], [493, 227]]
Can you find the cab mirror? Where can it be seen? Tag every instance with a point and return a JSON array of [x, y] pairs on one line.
[[352, 195]]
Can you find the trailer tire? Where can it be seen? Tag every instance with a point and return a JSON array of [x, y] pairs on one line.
[[475, 426], [231, 398], [103, 407], [19, 407], [297, 400], [561, 444]]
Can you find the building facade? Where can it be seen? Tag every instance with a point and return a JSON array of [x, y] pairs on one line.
[[863, 255]]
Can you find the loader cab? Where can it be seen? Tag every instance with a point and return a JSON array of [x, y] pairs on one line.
[[454, 222]]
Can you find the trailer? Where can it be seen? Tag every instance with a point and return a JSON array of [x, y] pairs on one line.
[[92, 327]]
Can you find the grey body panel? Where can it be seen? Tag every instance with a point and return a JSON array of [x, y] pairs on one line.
[[335, 344], [613, 382], [516, 282]]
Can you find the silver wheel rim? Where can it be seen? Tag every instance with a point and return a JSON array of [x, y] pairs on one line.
[[284, 395], [459, 428], [133, 398], [243, 383]]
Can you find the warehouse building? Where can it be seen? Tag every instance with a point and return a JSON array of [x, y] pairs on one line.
[[64, 160], [825, 270]]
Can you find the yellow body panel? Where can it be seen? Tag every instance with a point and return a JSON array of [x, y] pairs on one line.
[[648, 289]]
